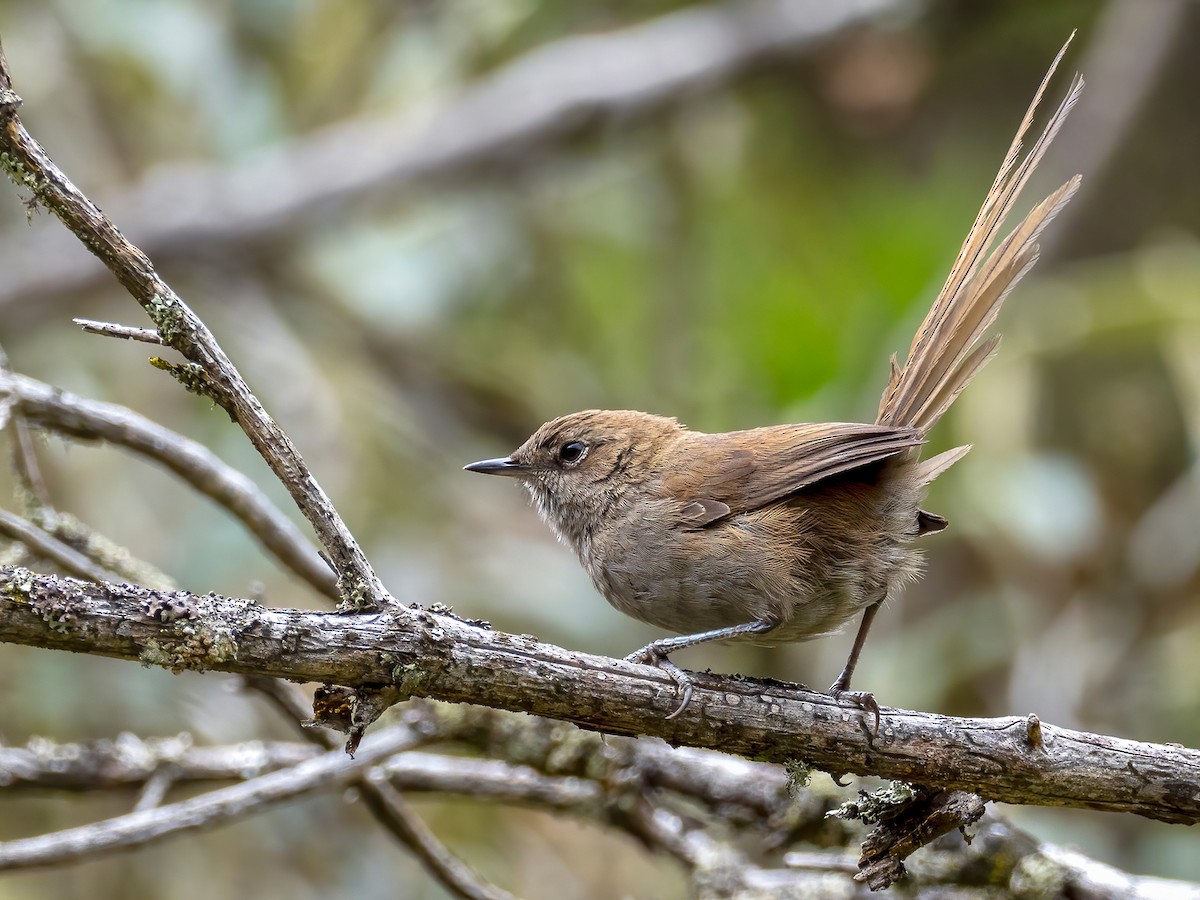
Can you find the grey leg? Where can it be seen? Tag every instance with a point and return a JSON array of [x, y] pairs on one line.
[[656, 653], [840, 689]]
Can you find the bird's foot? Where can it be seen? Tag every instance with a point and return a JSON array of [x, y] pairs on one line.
[[651, 655], [864, 700]]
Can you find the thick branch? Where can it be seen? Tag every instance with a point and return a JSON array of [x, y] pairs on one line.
[[437, 656]]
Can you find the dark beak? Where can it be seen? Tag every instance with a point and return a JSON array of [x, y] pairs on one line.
[[502, 466]]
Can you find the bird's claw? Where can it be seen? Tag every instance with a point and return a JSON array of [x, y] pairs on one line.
[[649, 656], [864, 700]]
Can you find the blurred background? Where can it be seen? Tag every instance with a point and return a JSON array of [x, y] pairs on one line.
[[423, 228]]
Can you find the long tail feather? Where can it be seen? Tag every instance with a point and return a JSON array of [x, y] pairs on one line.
[[946, 352]]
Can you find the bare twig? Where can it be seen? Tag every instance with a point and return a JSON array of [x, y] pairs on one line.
[[133, 762], [46, 546], [208, 371], [155, 789], [448, 659], [386, 803], [125, 332], [108, 554], [61, 533], [332, 769], [537, 102], [489, 779], [75, 417], [129, 761], [451, 872], [25, 462]]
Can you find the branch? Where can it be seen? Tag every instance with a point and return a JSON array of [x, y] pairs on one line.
[[1007, 857], [532, 105], [91, 420], [129, 761], [331, 769], [430, 655], [124, 332], [386, 803], [209, 371], [1131, 45], [43, 545], [451, 872], [25, 465]]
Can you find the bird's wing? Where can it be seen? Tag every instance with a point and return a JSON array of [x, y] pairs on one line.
[[725, 474]]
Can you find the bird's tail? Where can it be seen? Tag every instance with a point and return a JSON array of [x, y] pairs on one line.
[[949, 349]]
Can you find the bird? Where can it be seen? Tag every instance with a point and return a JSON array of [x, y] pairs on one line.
[[785, 533]]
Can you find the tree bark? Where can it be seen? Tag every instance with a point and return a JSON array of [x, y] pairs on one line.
[[1014, 760]]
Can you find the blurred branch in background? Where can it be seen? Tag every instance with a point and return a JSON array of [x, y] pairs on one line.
[[1124, 60], [513, 117], [330, 770], [668, 799], [380, 796]]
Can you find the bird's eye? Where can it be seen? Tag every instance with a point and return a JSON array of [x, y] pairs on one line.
[[572, 451]]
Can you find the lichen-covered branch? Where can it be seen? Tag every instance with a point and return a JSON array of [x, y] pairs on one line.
[[1016, 760]]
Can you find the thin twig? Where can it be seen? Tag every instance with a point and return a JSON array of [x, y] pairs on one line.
[[25, 464], [76, 417], [46, 546], [822, 861], [332, 769], [393, 811], [129, 761], [208, 371], [385, 802], [494, 780], [108, 554], [125, 332], [154, 790]]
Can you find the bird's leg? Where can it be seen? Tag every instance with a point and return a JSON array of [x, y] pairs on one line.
[[840, 689], [656, 653]]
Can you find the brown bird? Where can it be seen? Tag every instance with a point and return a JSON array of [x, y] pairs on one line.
[[783, 533]]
